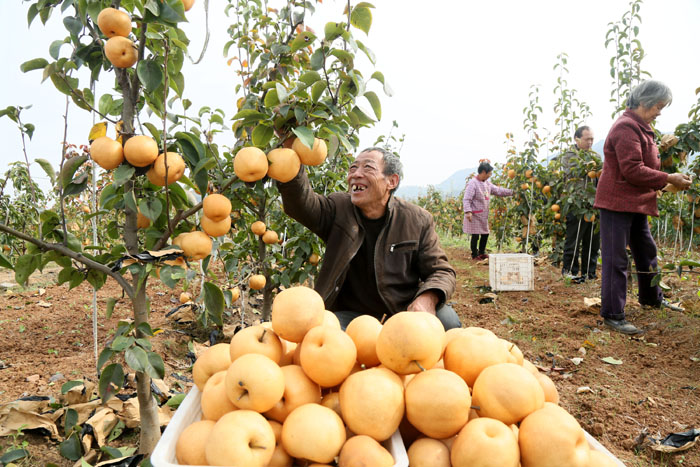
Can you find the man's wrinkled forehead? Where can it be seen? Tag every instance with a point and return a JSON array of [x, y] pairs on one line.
[[374, 156]]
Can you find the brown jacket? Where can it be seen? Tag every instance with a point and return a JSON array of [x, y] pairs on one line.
[[408, 258], [631, 172]]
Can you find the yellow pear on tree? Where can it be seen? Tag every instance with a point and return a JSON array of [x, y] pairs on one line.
[[121, 52], [113, 22]]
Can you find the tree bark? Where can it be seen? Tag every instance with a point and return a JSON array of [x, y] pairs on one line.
[[148, 408]]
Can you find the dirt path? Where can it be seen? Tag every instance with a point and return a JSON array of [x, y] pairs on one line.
[[47, 337]]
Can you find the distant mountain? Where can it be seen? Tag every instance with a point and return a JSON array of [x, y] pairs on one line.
[[452, 186]]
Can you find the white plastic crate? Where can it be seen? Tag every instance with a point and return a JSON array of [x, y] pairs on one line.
[[190, 411], [511, 271]]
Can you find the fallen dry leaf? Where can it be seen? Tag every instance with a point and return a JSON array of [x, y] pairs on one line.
[[612, 360], [583, 389]]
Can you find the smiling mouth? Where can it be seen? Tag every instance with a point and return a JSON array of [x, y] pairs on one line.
[[357, 188]]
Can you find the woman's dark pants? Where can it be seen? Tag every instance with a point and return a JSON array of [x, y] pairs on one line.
[[617, 231]]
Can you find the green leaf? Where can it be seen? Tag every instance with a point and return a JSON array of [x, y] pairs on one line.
[[73, 24], [379, 76], [150, 74], [344, 56], [25, 266], [332, 31], [96, 278], [155, 367], [55, 49], [610, 360], [153, 7], [175, 401], [136, 358], [110, 307], [303, 39], [166, 276], [35, 64], [271, 99], [192, 147], [361, 18], [104, 357], [32, 12], [65, 387], [310, 77], [63, 83], [368, 52], [305, 135], [105, 104], [71, 448], [122, 174], [70, 166], [116, 433], [70, 421], [48, 168], [375, 103], [214, 302], [362, 117], [249, 116], [151, 208], [317, 59], [120, 343], [145, 329], [282, 93], [262, 134], [5, 262], [130, 200], [15, 454], [114, 453], [155, 133], [76, 278], [317, 89]]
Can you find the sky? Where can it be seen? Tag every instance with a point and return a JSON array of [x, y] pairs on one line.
[[460, 72]]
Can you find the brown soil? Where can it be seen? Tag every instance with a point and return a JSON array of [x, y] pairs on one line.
[[654, 390]]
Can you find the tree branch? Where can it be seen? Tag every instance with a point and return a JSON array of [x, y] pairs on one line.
[[93, 109], [65, 251]]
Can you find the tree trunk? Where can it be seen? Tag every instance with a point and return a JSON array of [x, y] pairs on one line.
[[148, 409], [267, 290]]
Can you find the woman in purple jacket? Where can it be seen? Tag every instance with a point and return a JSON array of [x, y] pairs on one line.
[[626, 195], [476, 207]]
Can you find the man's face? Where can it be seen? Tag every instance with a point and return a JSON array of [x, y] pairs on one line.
[[585, 142], [369, 187]]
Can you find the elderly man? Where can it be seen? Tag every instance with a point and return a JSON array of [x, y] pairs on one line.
[[382, 253], [581, 236]]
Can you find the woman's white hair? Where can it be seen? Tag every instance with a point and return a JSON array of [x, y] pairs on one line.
[[648, 94]]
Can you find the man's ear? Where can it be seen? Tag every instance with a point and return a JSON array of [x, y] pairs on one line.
[[393, 180]]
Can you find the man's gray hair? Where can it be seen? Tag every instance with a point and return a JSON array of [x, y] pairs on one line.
[[392, 164], [648, 94]]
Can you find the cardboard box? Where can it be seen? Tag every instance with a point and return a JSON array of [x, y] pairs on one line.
[[511, 271], [190, 411]]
